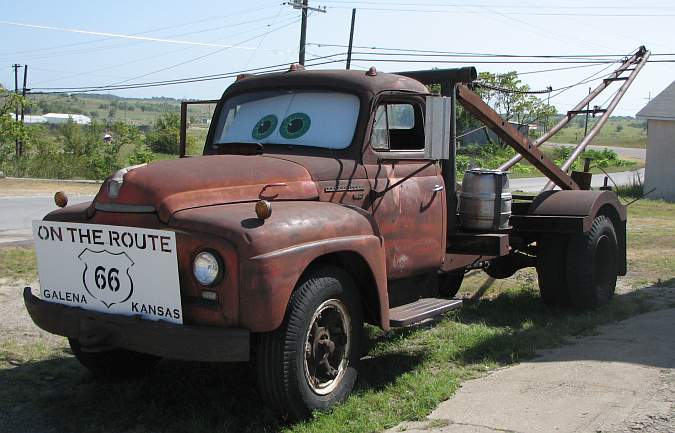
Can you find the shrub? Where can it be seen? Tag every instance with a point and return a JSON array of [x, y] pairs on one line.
[[163, 138]]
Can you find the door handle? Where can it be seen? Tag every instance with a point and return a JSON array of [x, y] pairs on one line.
[[438, 188]]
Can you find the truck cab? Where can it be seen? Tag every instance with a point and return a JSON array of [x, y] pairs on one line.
[[319, 204]]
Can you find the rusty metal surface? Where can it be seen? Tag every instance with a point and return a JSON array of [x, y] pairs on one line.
[[106, 331], [173, 185], [575, 203], [513, 137], [352, 81], [275, 252], [325, 203], [443, 76], [484, 244]]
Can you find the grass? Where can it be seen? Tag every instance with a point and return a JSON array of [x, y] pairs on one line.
[[17, 263], [493, 155], [14, 187], [405, 374], [617, 132]]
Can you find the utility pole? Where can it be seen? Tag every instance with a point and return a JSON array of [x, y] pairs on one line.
[[303, 32], [23, 103], [304, 6], [16, 67], [351, 39]]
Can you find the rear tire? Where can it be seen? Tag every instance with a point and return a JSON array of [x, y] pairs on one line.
[[114, 364], [552, 268], [593, 264], [449, 283], [310, 362]]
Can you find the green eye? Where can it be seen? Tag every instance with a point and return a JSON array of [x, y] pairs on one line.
[[295, 125], [264, 127]]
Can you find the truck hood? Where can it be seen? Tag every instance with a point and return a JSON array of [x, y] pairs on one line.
[[173, 185]]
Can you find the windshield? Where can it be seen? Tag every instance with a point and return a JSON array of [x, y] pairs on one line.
[[312, 118]]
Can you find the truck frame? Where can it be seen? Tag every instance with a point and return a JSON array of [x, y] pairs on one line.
[[285, 250]]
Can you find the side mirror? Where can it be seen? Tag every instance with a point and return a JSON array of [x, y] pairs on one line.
[[437, 127]]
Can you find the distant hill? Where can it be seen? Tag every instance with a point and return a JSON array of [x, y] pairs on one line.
[[103, 107]]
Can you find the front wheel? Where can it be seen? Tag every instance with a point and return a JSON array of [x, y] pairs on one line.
[[310, 362]]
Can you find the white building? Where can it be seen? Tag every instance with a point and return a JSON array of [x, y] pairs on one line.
[[660, 163], [30, 119], [54, 118]]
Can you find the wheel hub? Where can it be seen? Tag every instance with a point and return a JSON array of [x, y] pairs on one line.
[[327, 346]]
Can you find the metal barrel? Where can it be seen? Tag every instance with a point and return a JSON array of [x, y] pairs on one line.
[[485, 200]]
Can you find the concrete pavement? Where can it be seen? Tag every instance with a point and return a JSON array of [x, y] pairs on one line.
[[18, 212], [621, 380], [535, 184]]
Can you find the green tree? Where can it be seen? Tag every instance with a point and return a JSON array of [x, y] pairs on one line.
[[10, 128], [73, 140], [514, 103], [164, 136]]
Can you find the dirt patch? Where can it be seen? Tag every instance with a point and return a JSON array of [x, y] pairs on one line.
[[16, 325], [23, 187]]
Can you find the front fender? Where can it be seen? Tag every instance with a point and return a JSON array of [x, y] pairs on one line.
[[274, 253]]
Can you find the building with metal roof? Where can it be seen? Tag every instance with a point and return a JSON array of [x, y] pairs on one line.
[[660, 162]]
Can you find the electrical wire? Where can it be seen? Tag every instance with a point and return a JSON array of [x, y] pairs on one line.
[[263, 69], [158, 29], [211, 53], [506, 90]]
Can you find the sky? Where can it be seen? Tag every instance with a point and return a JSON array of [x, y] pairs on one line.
[[93, 43]]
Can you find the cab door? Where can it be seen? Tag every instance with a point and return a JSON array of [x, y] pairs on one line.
[[409, 206]]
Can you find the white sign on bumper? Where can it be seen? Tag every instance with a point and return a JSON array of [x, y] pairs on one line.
[[111, 269]]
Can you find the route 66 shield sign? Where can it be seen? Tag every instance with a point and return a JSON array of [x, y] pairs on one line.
[[130, 271], [106, 276]]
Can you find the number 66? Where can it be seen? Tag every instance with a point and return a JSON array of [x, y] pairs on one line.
[[113, 281]]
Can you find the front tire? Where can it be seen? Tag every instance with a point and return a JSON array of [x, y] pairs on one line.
[[310, 362], [593, 264], [115, 363]]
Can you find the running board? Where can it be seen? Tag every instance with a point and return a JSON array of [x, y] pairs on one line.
[[420, 310]]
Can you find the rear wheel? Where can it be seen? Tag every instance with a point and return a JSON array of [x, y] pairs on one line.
[[114, 364], [310, 362], [592, 259], [552, 270], [449, 283]]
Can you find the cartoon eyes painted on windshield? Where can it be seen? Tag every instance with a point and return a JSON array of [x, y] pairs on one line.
[[264, 127], [295, 125]]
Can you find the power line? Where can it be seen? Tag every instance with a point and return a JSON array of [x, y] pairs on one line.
[[137, 60], [206, 55], [476, 54], [157, 29], [504, 6], [121, 36], [452, 8], [263, 69]]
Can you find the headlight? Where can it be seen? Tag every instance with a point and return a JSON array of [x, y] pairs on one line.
[[206, 268]]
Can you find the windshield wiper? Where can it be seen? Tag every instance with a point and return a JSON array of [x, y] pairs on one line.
[[239, 148]]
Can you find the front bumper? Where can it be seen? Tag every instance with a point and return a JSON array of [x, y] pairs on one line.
[[99, 331]]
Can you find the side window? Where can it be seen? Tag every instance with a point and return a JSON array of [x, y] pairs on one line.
[[398, 126]]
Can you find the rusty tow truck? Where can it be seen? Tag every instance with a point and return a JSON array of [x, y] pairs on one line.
[[323, 200]]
